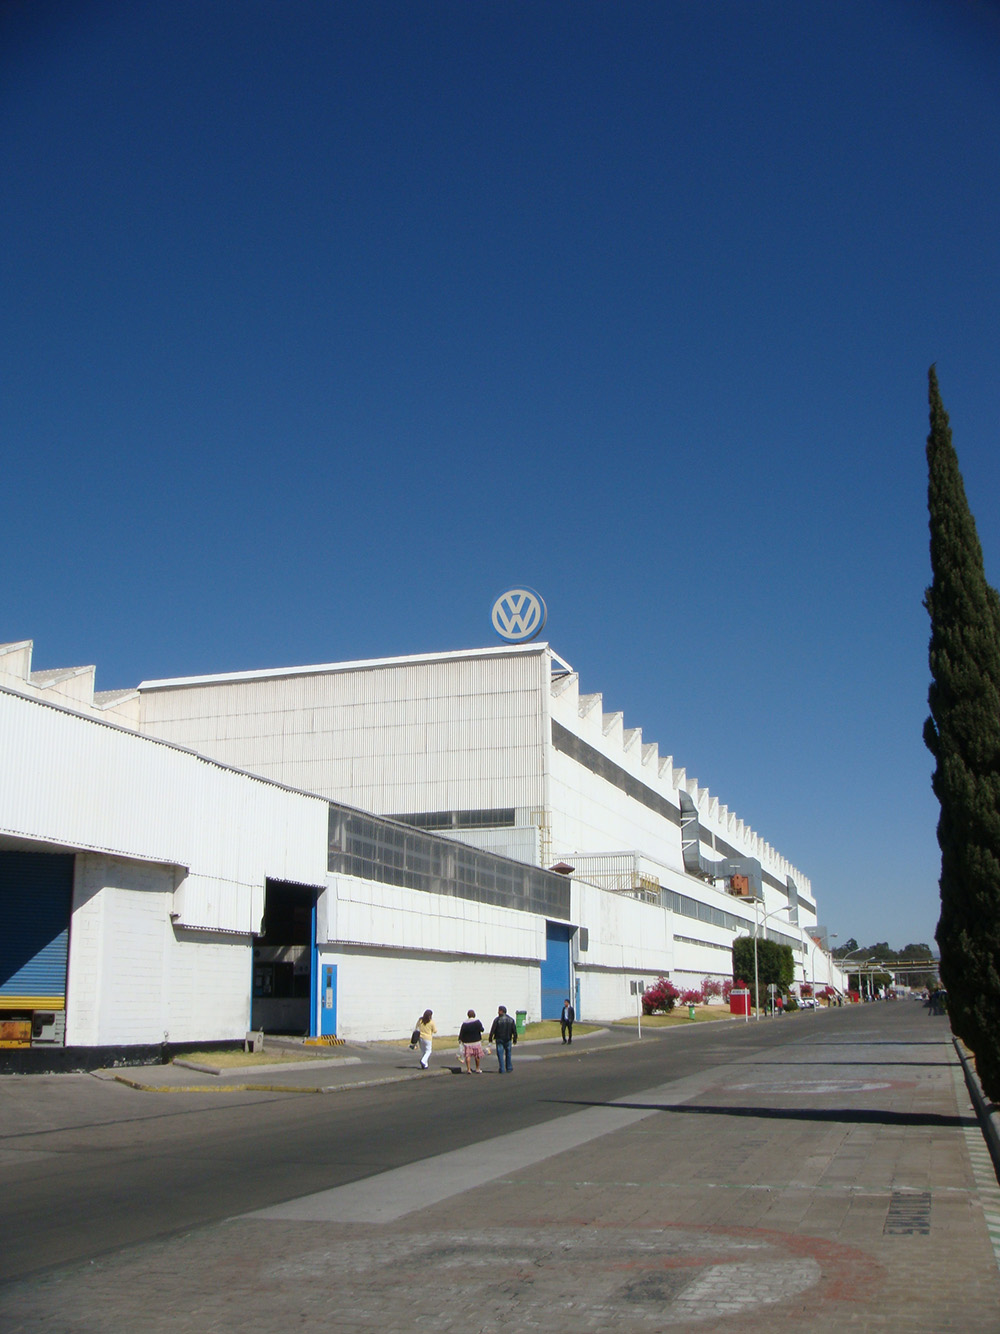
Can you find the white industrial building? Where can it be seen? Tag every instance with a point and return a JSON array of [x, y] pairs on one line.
[[333, 848]]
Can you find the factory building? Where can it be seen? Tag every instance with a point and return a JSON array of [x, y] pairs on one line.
[[328, 848]]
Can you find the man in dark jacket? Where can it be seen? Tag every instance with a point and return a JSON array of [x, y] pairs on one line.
[[566, 1021], [504, 1034]]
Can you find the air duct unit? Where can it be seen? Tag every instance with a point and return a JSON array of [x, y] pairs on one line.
[[694, 862], [744, 876], [793, 900]]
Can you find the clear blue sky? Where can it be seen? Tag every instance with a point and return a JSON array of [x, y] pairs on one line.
[[323, 323]]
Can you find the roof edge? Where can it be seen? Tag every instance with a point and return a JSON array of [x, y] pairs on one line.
[[361, 664]]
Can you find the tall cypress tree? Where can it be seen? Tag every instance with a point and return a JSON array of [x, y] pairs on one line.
[[963, 735]]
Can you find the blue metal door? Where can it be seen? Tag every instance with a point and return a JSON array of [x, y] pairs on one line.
[[555, 969], [328, 1001], [36, 900]]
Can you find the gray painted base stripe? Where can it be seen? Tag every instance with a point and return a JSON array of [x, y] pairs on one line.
[[392, 1195]]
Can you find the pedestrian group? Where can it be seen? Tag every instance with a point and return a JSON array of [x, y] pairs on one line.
[[502, 1034]]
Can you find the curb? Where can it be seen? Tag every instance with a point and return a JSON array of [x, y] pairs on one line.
[[257, 1087], [987, 1112], [269, 1088], [309, 1064]]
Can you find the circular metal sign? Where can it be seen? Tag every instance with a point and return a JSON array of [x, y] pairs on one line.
[[519, 615]]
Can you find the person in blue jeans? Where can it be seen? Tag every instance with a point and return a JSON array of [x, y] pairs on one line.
[[504, 1034]]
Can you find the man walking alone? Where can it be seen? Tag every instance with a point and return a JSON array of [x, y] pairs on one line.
[[566, 1021], [504, 1034]]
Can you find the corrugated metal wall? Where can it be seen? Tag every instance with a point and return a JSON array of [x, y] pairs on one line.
[[71, 780]]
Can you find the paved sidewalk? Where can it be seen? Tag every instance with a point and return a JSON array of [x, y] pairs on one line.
[[354, 1065], [835, 1185]]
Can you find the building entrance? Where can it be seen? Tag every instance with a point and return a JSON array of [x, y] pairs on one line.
[[555, 969], [36, 901], [283, 960]]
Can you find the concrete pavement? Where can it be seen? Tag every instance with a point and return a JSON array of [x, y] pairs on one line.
[[354, 1065], [839, 1182]]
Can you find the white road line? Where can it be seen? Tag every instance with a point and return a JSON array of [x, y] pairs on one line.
[[403, 1190]]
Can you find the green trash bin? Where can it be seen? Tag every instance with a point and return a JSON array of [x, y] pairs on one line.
[[690, 1011], [522, 1019]]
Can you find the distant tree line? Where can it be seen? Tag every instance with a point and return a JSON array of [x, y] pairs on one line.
[[882, 952]]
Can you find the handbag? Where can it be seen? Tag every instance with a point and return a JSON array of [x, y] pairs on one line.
[[414, 1037]]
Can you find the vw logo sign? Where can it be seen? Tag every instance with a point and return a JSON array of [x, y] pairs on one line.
[[519, 615]]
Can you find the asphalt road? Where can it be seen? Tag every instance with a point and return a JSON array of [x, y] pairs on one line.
[[90, 1167]]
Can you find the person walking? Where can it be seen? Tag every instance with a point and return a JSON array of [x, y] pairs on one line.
[[503, 1033], [470, 1035], [425, 1030], [566, 1020]]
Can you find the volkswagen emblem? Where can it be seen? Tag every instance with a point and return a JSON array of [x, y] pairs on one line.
[[519, 615]]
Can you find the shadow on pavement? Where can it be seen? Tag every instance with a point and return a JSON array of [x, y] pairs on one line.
[[865, 1042], [859, 1115], [881, 1065]]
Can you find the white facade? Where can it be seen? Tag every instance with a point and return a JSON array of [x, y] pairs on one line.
[[135, 978], [446, 732], [172, 855], [454, 732], [590, 814], [500, 733], [183, 800]]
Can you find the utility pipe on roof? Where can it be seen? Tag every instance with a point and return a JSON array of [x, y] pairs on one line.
[[696, 864]]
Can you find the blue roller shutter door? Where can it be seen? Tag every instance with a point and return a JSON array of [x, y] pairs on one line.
[[36, 900]]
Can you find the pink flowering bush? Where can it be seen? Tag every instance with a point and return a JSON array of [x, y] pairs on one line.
[[692, 997], [660, 997], [806, 989], [710, 987], [727, 989]]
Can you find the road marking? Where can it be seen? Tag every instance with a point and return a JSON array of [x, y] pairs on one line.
[[568, 1275], [823, 1086], [403, 1190]]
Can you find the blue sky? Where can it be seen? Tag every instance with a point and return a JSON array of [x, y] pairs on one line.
[[326, 322]]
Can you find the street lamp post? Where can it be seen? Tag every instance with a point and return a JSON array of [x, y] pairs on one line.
[[860, 964], [756, 928], [832, 936]]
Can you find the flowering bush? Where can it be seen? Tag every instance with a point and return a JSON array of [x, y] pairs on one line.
[[806, 989], [710, 987], [727, 989], [692, 997], [828, 993], [661, 996]]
